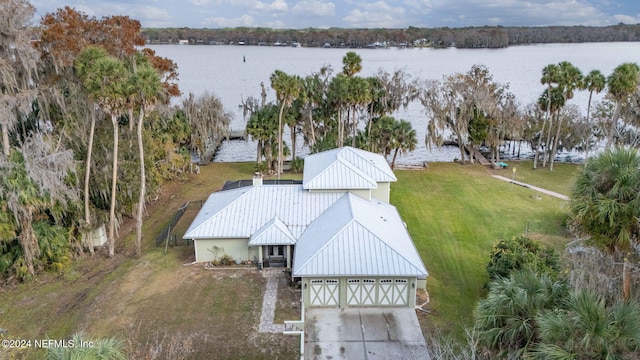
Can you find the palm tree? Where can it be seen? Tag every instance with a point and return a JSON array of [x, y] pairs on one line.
[[263, 128], [570, 79], [606, 198], [358, 95], [594, 82], [107, 78], [404, 139], [549, 77], [622, 82], [506, 319], [337, 94], [352, 64], [589, 329], [287, 89], [147, 91], [82, 67]]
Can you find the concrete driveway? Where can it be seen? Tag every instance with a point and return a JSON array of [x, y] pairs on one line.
[[365, 333]]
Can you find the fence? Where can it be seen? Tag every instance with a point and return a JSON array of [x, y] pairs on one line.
[[165, 234]]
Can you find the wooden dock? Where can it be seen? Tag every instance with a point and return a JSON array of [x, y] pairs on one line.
[[478, 155]]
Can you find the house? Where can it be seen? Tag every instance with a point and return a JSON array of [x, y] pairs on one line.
[[336, 231]]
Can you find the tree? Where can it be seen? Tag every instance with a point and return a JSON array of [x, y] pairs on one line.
[[287, 88], [621, 84], [606, 198], [404, 139], [549, 77], [18, 65], [36, 179], [147, 91], [520, 252], [455, 101], [586, 327], [570, 79], [263, 129], [209, 123], [506, 319], [82, 66], [594, 82], [107, 77], [352, 64]]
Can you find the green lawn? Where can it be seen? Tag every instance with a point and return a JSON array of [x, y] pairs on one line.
[[454, 214], [560, 180]]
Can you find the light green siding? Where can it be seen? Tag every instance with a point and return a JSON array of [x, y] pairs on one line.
[[238, 249], [363, 193], [382, 192]]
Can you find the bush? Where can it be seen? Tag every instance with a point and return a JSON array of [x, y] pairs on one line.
[[297, 165], [520, 252]]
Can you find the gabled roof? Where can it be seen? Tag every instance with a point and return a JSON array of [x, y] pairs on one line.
[[274, 232], [346, 168], [357, 237], [240, 213]]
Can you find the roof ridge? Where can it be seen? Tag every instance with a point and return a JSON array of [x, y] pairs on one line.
[[347, 194]]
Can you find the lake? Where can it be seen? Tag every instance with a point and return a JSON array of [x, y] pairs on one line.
[[233, 73]]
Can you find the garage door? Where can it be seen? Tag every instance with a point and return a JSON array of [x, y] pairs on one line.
[[324, 292], [361, 292], [393, 292]]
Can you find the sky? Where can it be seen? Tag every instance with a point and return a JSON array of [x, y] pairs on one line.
[[299, 14]]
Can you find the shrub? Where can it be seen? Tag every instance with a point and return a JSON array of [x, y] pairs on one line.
[[520, 252]]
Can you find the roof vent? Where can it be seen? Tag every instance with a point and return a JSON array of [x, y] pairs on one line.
[[257, 179]]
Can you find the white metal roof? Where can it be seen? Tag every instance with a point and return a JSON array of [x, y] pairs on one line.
[[240, 213], [274, 232], [357, 237], [346, 168]]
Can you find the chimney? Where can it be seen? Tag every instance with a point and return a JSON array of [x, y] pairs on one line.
[[257, 179]]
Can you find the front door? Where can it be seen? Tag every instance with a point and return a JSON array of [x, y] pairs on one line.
[[276, 256]]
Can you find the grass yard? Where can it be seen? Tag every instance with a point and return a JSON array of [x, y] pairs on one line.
[[560, 180], [454, 214]]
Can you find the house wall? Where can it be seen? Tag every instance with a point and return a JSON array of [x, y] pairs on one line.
[[238, 249], [363, 193], [382, 192]]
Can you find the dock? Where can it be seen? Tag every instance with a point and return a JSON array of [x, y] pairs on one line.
[[478, 155], [237, 135]]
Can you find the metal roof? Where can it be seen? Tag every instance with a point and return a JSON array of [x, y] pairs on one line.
[[357, 237], [346, 168], [240, 213], [274, 232]]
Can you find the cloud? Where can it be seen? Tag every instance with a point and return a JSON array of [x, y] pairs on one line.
[[242, 21], [313, 8], [200, 2], [374, 15]]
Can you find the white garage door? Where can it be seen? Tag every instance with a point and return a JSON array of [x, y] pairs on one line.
[[361, 292], [324, 292], [393, 292]]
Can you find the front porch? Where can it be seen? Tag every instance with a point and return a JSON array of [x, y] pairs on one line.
[[275, 256]]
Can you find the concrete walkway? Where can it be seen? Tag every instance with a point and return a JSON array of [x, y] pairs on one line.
[[269, 302], [544, 191]]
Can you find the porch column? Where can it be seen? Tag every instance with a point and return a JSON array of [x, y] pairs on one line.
[[260, 256], [289, 256]]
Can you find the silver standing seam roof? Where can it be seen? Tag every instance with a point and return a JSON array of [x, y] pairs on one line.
[[357, 237], [336, 233], [346, 168]]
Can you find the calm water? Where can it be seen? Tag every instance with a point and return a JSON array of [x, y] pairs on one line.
[[221, 70]]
